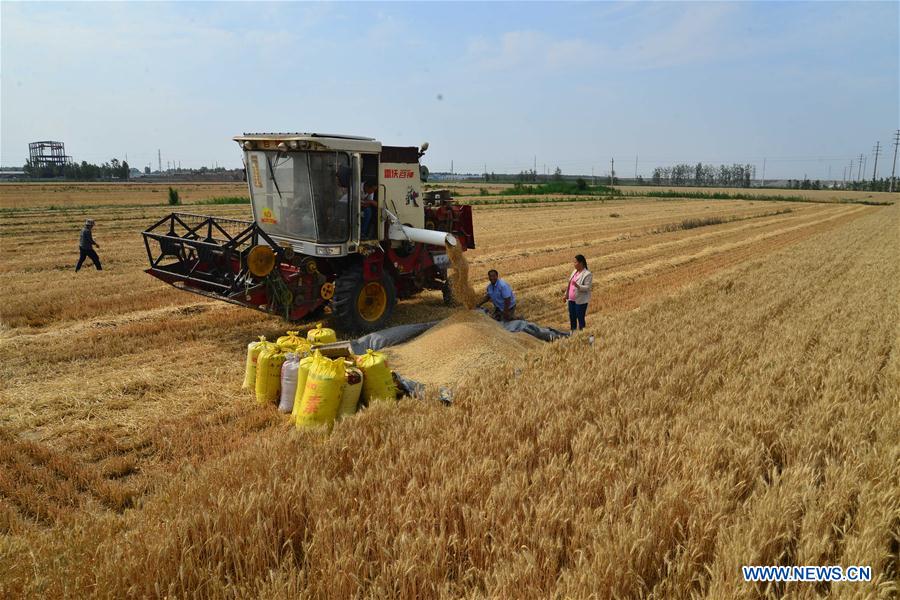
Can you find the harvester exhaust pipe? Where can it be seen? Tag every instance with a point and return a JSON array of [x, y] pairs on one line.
[[398, 231]]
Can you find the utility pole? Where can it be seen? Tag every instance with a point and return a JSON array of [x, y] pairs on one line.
[[635, 167], [859, 167], [612, 170], [451, 166], [159, 159], [850, 175], [875, 168], [894, 167], [764, 174]]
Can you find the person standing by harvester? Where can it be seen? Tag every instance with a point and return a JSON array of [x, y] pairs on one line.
[[369, 208], [578, 293], [501, 295], [86, 245]]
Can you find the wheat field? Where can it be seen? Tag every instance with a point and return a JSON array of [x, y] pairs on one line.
[[739, 406]]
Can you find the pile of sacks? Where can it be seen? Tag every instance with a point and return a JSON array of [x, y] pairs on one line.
[[314, 389]]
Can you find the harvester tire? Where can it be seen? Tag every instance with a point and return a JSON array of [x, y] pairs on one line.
[[361, 305]]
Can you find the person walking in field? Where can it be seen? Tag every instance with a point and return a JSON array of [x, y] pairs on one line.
[[578, 293], [501, 295], [86, 245]]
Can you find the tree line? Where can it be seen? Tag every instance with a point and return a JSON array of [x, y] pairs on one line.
[[735, 175], [530, 175], [868, 185], [85, 171]]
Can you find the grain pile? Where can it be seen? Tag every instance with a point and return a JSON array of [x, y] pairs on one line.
[[450, 351], [459, 278]]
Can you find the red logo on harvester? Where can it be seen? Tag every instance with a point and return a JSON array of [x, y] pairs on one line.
[[398, 174]]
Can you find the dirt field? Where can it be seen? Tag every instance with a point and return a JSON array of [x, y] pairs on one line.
[[817, 195], [467, 189], [739, 407], [470, 189], [66, 195]]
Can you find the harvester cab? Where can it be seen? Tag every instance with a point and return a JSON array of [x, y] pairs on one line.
[[340, 225]]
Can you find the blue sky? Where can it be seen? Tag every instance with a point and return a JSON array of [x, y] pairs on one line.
[[805, 85]]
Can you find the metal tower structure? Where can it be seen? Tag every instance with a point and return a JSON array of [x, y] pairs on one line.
[[47, 153]]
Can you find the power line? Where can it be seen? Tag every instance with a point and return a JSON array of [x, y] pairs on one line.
[[894, 167], [877, 152]]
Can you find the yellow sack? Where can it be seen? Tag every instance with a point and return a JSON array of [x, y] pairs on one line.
[[378, 384], [352, 390], [293, 341], [253, 350], [321, 335], [322, 396], [302, 374], [268, 374]]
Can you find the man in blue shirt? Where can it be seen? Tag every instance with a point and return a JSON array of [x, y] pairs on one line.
[[501, 295]]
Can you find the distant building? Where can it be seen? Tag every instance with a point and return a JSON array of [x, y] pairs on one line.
[[439, 176], [48, 154]]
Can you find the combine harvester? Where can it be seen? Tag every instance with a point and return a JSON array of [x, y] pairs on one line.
[[306, 251]]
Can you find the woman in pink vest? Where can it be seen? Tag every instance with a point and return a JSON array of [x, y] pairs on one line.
[[578, 293]]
